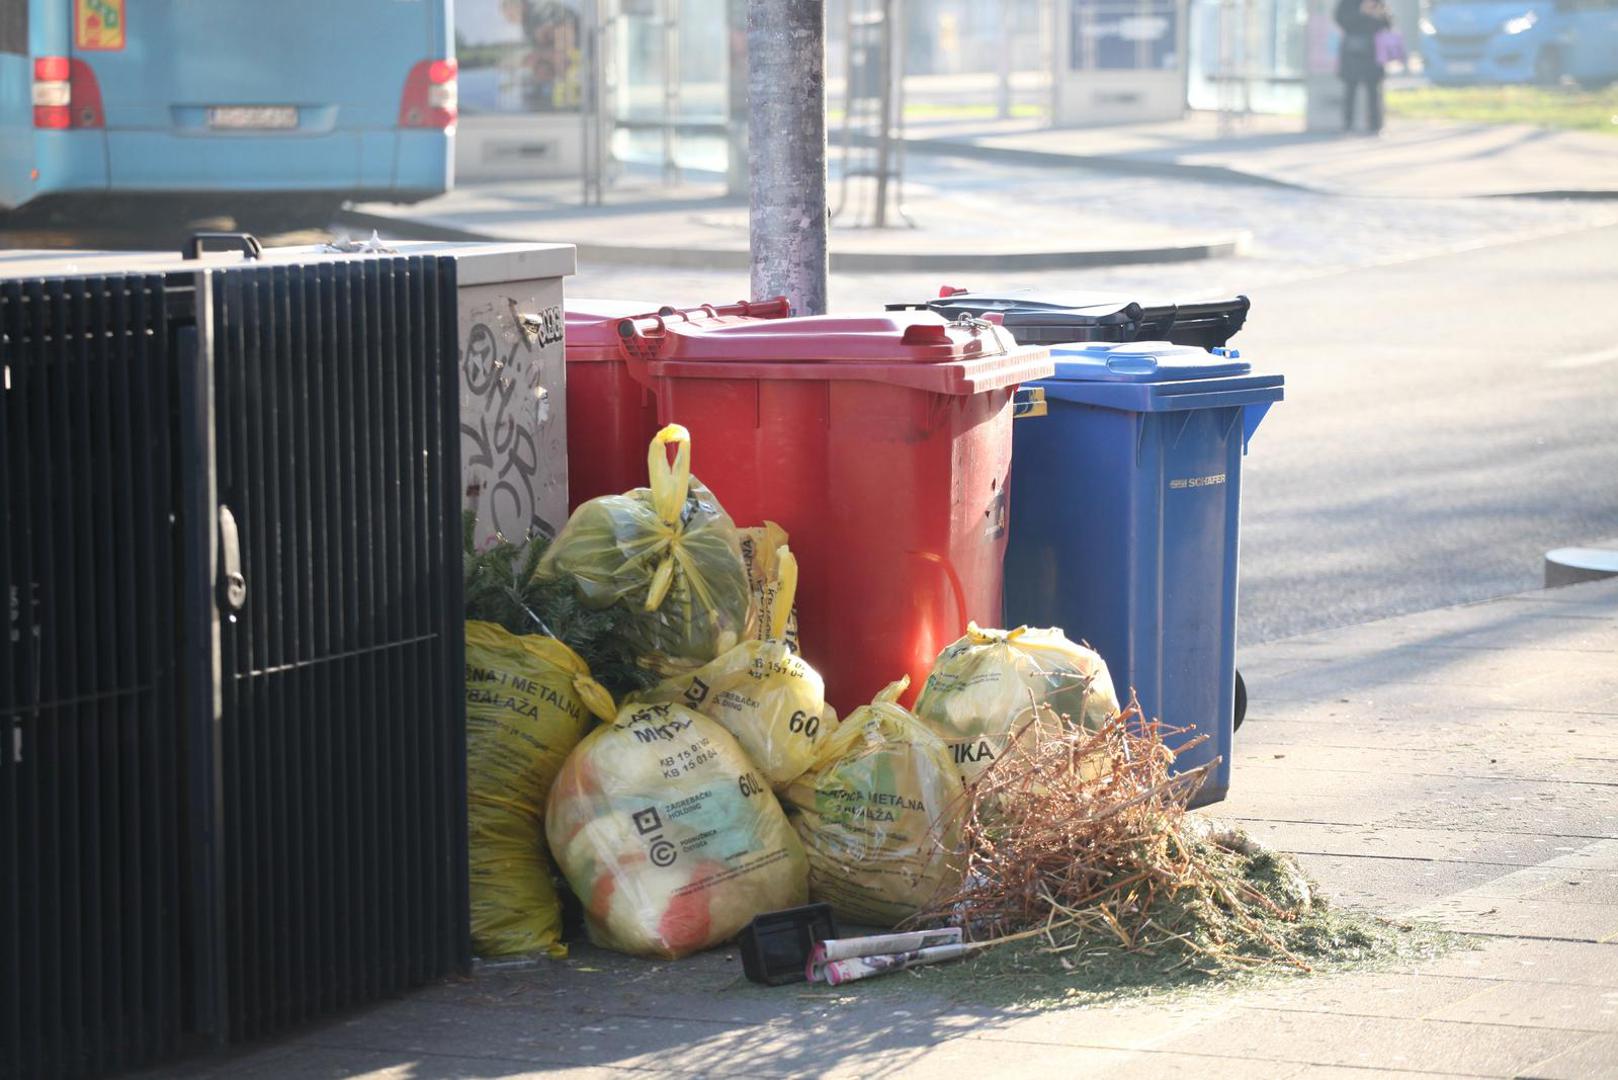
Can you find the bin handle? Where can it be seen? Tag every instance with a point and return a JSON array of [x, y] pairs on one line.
[[246, 243], [954, 579]]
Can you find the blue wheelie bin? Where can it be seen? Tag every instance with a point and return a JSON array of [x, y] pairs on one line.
[[1125, 503]]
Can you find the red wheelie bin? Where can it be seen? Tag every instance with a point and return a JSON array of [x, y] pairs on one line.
[[610, 416], [882, 443]]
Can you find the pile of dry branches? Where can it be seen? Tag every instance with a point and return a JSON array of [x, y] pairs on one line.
[[1077, 839]]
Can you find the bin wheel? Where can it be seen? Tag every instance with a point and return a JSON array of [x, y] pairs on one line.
[[1241, 702]]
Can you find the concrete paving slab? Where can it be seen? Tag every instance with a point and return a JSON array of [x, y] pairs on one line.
[[1579, 963], [1393, 884], [1575, 1008], [1498, 849], [1374, 1042], [1338, 1072], [1594, 1059], [1601, 855], [1521, 918], [1009, 1059], [1398, 994], [1127, 1027], [323, 1063], [1262, 751]]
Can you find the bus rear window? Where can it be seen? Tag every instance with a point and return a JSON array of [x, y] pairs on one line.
[[14, 26]]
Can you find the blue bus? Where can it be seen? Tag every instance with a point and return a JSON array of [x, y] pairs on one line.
[[259, 108], [1520, 41]]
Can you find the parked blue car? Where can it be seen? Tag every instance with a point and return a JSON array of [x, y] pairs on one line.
[[1520, 41]]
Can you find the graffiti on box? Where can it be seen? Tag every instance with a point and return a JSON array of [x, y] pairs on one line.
[[504, 408]]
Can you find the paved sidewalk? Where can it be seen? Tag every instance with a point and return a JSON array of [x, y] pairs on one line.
[[1411, 158], [696, 226], [1456, 765]]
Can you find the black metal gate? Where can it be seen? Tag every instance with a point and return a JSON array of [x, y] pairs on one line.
[[343, 759], [92, 841], [231, 749]]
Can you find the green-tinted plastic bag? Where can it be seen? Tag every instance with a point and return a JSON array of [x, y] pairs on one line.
[[528, 703], [762, 692], [880, 815], [668, 553]]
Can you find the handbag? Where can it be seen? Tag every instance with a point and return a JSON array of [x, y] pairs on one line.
[[1390, 47]]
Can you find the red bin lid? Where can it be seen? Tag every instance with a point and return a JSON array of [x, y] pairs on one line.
[[915, 349], [592, 325]]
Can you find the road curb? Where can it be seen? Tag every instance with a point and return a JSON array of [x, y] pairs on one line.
[[845, 261]]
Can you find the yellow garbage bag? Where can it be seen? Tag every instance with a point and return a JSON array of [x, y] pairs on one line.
[[880, 815], [528, 703], [669, 553], [982, 690], [761, 691], [760, 544], [669, 835]]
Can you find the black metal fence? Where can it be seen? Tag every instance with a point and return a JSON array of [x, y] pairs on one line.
[[231, 745]]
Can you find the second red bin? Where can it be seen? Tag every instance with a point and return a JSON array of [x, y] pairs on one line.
[[882, 444], [610, 416]]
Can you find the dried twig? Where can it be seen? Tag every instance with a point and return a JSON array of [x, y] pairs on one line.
[[1079, 838]]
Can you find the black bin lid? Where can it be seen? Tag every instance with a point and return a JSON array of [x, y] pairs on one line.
[[1052, 318], [775, 946]]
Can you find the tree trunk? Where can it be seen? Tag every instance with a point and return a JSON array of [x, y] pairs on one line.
[[786, 152]]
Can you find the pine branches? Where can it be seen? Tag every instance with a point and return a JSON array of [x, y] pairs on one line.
[[500, 588]]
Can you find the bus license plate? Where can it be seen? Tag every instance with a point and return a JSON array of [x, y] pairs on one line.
[[253, 116]]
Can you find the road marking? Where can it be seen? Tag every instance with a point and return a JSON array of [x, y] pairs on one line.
[[1583, 360]]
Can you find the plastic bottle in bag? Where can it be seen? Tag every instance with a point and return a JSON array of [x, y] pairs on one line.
[[668, 552], [762, 692], [983, 688], [529, 701], [669, 834], [880, 815]]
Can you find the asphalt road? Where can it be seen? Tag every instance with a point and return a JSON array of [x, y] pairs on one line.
[[1447, 421]]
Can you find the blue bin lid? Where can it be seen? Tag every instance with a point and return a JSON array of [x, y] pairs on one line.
[[1158, 376], [1144, 362]]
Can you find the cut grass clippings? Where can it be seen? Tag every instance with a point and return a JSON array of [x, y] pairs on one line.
[[1553, 107], [1086, 880]]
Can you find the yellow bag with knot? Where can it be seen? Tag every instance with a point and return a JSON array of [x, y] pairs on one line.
[[880, 815], [668, 553], [762, 692], [983, 688], [760, 545], [528, 703], [669, 835]]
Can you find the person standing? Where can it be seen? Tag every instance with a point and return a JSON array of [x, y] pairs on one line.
[[1357, 61]]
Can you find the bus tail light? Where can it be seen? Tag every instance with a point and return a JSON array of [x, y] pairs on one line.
[[66, 94], [430, 97]]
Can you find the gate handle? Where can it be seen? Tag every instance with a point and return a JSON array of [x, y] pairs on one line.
[[246, 243], [233, 587]]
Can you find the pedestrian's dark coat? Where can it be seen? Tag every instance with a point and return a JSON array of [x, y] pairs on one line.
[[1356, 61]]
